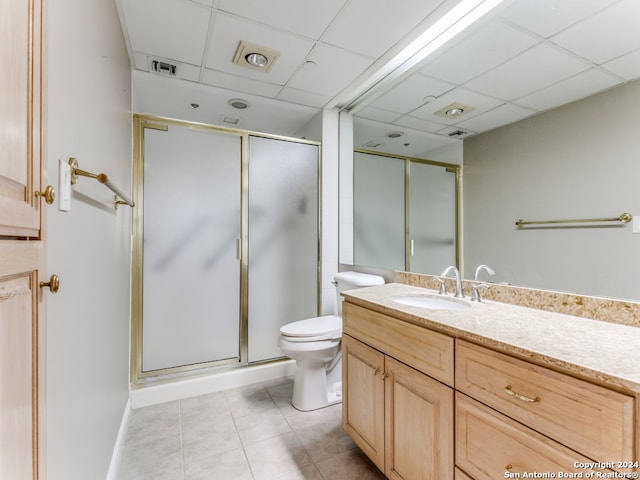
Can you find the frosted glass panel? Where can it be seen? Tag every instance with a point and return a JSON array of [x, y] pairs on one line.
[[379, 215], [283, 240], [191, 275], [432, 218]]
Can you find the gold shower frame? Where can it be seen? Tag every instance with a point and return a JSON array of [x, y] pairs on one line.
[[138, 377]]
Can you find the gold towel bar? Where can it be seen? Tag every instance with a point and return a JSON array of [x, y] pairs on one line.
[[102, 178], [624, 218]]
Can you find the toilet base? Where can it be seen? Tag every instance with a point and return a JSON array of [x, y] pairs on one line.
[[315, 386]]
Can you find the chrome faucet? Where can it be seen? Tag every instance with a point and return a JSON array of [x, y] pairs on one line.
[[488, 269], [459, 293]]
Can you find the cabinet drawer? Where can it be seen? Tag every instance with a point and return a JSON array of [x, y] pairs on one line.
[[593, 420], [489, 445], [427, 351]]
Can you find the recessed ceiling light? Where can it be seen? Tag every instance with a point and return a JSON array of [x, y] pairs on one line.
[[454, 112], [254, 56], [394, 134], [239, 103], [256, 59]]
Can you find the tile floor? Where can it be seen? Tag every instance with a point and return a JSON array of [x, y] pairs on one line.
[[248, 433]]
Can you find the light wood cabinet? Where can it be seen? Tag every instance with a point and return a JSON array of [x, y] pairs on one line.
[[511, 416], [401, 418], [539, 420]]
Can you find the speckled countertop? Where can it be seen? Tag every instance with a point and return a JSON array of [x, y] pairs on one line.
[[606, 353]]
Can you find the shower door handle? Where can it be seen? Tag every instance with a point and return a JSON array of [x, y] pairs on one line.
[[412, 247], [238, 249]]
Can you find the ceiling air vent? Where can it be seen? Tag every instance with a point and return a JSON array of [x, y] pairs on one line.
[[163, 68], [458, 133]]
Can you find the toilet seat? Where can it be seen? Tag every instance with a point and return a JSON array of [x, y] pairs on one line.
[[314, 329]]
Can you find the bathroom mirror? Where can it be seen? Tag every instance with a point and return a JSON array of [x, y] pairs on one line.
[[550, 96]]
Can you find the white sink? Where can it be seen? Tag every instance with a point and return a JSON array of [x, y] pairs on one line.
[[431, 302]]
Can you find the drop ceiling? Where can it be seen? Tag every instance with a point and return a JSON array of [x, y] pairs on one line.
[[526, 57]]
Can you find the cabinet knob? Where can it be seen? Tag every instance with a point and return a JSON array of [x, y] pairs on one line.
[[49, 194], [53, 284]]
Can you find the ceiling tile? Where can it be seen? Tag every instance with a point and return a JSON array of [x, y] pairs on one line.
[[228, 33], [503, 115], [627, 66], [168, 29], [231, 82], [412, 93], [377, 114], [308, 18], [609, 35], [304, 98], [486, 48], [334, 70], [371, 27], [534, 70], [418, 124], [547, 17], [481, 103], [573, 88]]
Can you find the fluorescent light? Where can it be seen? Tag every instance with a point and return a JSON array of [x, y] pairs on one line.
[[451, 24]]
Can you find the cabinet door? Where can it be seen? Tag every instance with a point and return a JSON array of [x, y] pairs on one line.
[[419, 425], [363, 398]]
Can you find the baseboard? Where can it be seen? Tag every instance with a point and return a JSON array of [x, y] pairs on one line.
[[191, 387], [118, 448]]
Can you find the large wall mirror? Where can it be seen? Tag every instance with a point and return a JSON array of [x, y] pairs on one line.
[[538, 102]]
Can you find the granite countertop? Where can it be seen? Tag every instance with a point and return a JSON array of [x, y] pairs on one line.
[[603, 352]]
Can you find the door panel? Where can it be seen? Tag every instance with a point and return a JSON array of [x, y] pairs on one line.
[[21, 117], [283, 240], [18, 393], [432, 218], [191, 270]]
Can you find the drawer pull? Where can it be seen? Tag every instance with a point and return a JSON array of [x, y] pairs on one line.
[[376, 371], [519, 396], [508, 467]]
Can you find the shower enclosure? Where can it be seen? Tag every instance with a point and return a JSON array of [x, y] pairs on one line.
[[226, 244]]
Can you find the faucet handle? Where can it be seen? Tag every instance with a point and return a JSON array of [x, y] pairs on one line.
[[443, 289], [475, 296]]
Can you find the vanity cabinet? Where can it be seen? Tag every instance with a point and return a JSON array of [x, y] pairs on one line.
[[539, 420], [401, 417], [402, 393]]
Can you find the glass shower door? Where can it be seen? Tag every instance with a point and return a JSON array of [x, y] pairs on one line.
[[191, 271], [283, 240], [432, 218], [379, 211]]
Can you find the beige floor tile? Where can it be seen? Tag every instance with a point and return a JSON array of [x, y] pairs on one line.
[[261, 426], [324, 440], [230, 465], [207, 439], [249, 400], [277, 456], [352, 465], [306, 473], [152, 422], [153, 460]]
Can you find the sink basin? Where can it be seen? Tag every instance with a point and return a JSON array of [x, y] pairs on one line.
[[431, 302]]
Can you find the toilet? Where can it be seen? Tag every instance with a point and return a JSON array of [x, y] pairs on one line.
[[314, 343]]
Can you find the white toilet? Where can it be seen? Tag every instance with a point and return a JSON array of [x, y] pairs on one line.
[[314, 344]]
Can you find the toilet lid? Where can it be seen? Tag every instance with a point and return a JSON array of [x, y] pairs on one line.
[[328, 326]]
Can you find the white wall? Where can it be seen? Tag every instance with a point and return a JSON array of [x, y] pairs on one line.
[[89, 118], [577, 161]]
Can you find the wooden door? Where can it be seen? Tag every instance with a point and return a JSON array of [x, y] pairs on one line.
[[419, 425], [22, 249], [363, 397]]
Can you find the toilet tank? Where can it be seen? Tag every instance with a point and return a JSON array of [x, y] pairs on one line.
[[350, 280]]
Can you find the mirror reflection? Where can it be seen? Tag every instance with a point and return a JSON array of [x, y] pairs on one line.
[[547, 131]]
